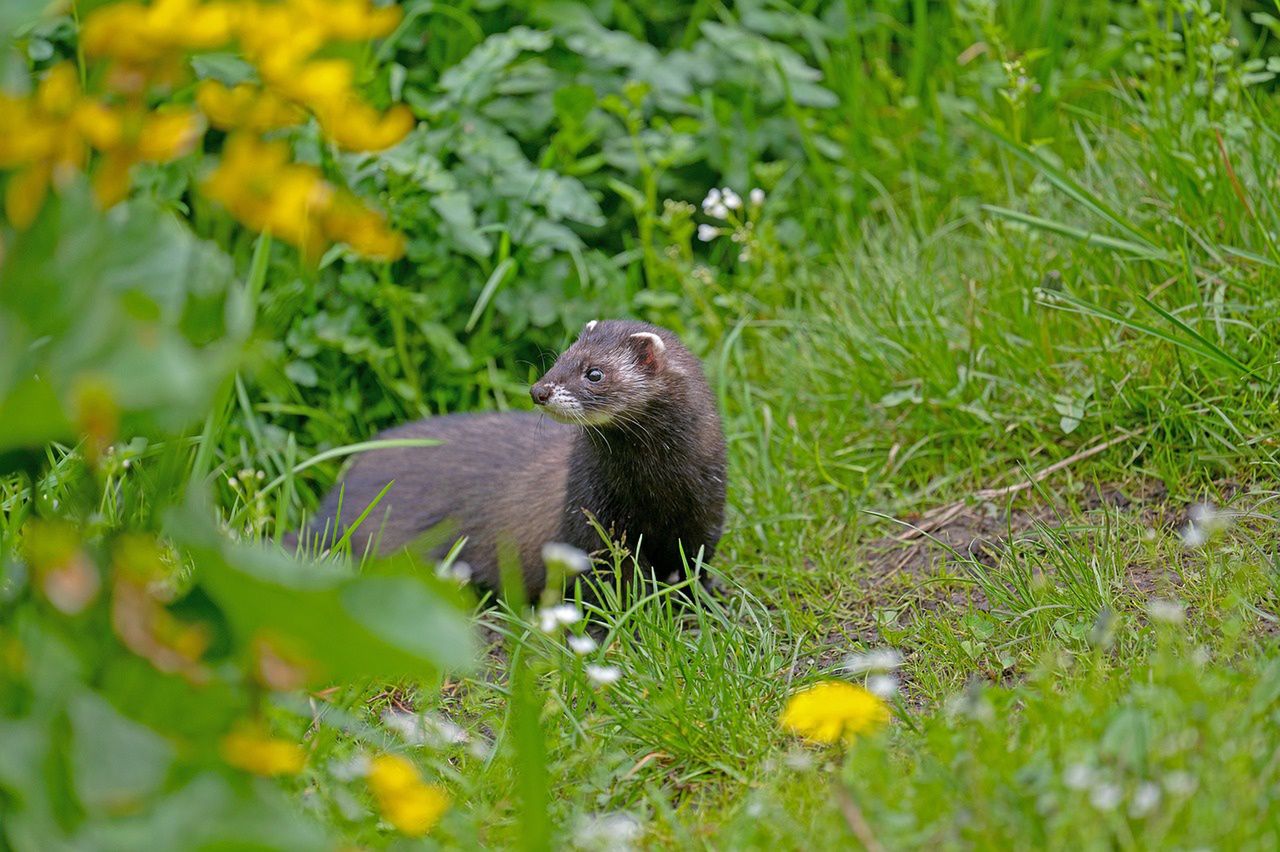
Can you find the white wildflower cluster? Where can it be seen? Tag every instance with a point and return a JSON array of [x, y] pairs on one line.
[[737, 219], [244, 480], [880, 665], [424, 728], [1203, 521], [1105, 794]]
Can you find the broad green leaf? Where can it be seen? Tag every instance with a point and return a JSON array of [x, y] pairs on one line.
[[116, 762]]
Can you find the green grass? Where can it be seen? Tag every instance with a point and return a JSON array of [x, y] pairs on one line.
[[955, 300]]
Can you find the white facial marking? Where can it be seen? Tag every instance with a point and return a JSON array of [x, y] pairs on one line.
[[566, 408], [658, 345]]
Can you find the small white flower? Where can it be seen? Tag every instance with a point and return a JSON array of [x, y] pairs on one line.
[[744, 255], [1204, 514], [1078, 776], [875, 660], [1180, 783], [458, 571], [604, 675], [233, 482], [707, 233], [582, 645], [757, 196], [798, 759], [712, 199], [1105, 797], [409, 726], [547, 621], [356, 766], [883, 685], [567, 557], [718, 211], [615, 832], [1194, 535], [732, 200], [126, 464], [1166, 611], [552, 618], [1145, 800]]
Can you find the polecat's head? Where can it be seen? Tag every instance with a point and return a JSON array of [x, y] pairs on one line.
[[614, 367]]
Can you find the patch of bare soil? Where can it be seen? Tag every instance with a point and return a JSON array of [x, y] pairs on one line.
[[927, 568]]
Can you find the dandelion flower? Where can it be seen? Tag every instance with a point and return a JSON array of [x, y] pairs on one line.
[[707, 233], [411, 805], [604, 675], [834, 710], [253, 750], [582, 645]]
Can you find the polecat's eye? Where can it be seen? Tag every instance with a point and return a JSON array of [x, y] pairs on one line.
[[594, 375]]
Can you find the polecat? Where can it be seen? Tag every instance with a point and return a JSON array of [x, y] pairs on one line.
[[634, 440]]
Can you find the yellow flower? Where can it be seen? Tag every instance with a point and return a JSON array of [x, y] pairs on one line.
[[834, 710], [145, 137], [260, 187], [349, 20], [364, 230], [144, 34], [249, 748], [245, 107], [412, 806], [356, 126], [38, 139]]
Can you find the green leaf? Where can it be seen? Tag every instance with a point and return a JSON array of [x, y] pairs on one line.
[[116, 762], [324, 615]]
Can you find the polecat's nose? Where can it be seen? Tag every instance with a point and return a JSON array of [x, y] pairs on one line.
[[540, 393]]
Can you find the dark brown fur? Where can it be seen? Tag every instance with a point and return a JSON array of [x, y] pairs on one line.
[[643, 453]]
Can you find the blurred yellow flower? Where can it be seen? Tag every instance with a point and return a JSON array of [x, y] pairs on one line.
[[349, 20], [63, 571], [834, 710], [356, 126], [39, 140], [408, 803], [141, 34], [259, 186], [245, 107], [250, 748], [364, 230]]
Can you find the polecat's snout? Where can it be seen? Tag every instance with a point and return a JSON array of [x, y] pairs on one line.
[[541, 393]]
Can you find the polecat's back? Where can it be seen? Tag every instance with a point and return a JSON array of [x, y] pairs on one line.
[[491, 474]]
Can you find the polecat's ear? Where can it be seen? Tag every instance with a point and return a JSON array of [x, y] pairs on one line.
[[590, 325], [649, 348]]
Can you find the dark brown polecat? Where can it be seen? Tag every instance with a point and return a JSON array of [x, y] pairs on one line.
[[632, 438]]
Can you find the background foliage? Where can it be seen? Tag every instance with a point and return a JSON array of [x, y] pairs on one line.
[[995, 236]]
